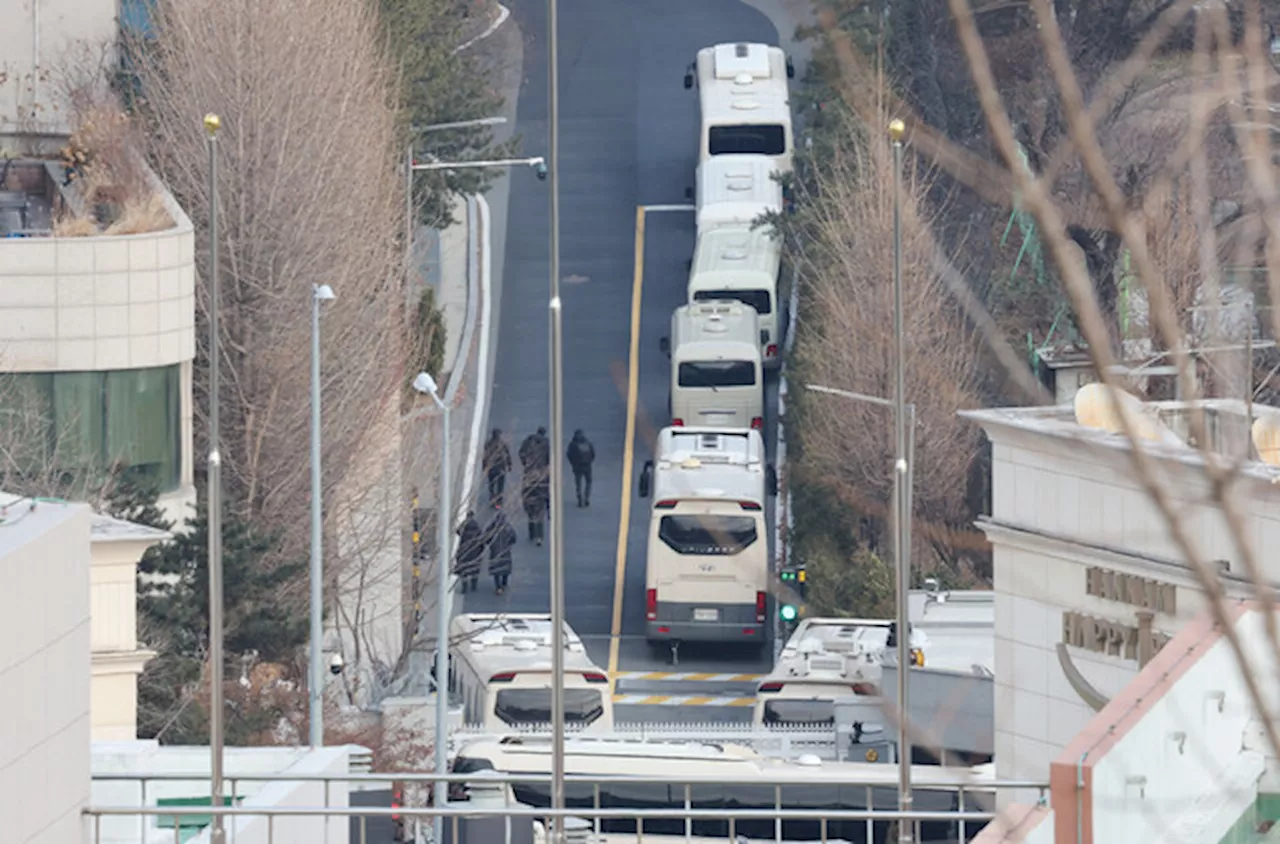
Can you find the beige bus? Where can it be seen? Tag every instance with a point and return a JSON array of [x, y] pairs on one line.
[[717, 380], [740, 263], [744, 101]]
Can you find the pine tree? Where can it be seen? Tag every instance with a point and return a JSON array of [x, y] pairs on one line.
[[173, 602]]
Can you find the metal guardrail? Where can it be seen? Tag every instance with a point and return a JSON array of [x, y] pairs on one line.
[[784, 742], [964, 816]]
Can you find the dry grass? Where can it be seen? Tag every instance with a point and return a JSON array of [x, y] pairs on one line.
[[139, 215]]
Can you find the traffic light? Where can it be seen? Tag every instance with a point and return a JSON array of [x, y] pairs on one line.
[[788, 612]]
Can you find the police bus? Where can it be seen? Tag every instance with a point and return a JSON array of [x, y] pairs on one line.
[[707, 565], [828, 660], [721, 777], [741, 263], [500, 667], [744, 102], [736, 190], [717, 378]]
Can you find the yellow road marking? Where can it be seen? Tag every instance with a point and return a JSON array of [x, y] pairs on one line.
[[652, 699], [743, 701], [628, 448]]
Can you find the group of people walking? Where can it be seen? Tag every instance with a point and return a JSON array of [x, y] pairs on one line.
[[498, 537]]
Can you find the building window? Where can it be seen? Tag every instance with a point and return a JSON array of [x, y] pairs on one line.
[[84, 423]]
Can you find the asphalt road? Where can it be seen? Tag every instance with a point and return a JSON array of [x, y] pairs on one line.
[[628, 138]]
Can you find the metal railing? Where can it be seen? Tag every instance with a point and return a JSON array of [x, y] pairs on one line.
[[968, 816]]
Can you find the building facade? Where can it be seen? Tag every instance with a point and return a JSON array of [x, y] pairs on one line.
[[97, 339], [44, 670], [1089, 582], [118, 658]]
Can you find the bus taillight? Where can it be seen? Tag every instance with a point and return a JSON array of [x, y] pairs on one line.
[[651, 604], [677, 423], [770, 687], [760, 602], [749, 505], [503, 677], [757, 422], [771, 351], [595, 677]]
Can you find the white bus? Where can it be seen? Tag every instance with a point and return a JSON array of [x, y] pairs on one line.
[[828, 660], [744, 102], [707, 565], [736, 190], [722, 777], [500, 666], [717, 379], [739, 263]]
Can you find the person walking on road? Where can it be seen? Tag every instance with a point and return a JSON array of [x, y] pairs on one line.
[[501, 536], [470, 553], [535, 453], [534, 492], [581, 454], [497, 463]]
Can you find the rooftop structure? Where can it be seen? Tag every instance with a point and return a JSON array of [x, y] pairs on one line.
[[89, 315], [1089, 582], [709, 463]]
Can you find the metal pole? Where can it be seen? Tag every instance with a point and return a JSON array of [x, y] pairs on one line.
[[443, 525], [408, 208], [315, 687], [902, 518], [216, 835], [1248, 383], [556, 516]]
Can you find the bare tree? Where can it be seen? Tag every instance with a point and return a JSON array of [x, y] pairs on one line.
[[846, 340], [309, 194]]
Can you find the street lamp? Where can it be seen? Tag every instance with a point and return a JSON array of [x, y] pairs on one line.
[[216, 835], [557, 429], [903, 468], [426, 385], [901, 487], [319, 293]]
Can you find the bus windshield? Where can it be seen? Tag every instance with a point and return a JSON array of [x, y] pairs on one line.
[[707, 535], [717, 373], [758, 299], [533, 706], [747, 139], [788, 712]]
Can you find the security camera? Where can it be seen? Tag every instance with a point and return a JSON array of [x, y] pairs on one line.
[[541, 170], [336, 664]]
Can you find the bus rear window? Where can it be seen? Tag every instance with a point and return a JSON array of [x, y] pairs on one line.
[[707, 535], [790, 712], [748, 139], [717, 373], [533, 706], [758, 299]]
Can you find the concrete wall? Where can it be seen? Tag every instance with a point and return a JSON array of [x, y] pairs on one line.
[[1179, 755], [44, 672], [117, 658], [1061, 505], [146, 758], [38, 39]]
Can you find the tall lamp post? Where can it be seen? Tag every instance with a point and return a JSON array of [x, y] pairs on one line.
[[217, 836], [906, 469], [557, 430], [319, 293], [426, 385], [901, 488]]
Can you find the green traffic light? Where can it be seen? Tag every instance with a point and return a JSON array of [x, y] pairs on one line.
[[787, 612], [788, 575]]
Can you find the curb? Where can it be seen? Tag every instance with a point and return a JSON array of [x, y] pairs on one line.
[[503, 14]]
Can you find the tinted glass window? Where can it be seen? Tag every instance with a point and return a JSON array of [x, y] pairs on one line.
[[799, 712], [758, 299], [748, 139], [707, 535], [533, 706], [717, 373]]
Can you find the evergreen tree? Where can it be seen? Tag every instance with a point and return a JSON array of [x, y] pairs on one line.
[[442, 85], [173, 602]]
